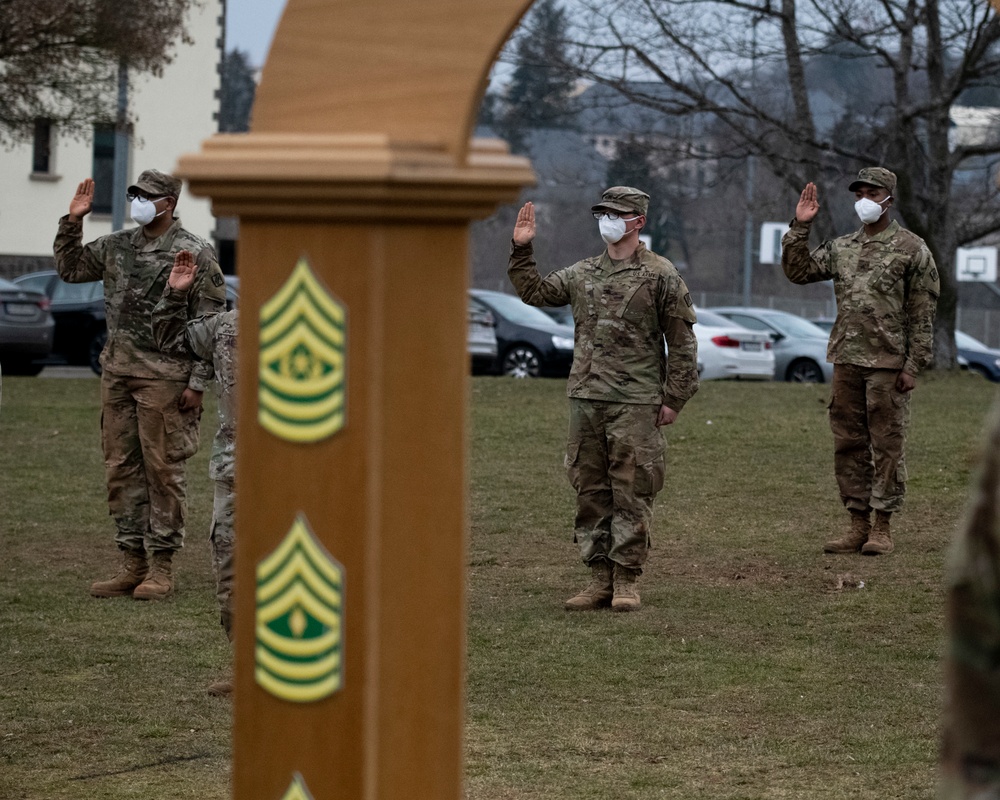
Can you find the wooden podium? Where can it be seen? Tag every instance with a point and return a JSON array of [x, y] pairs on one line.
[[355, 191]]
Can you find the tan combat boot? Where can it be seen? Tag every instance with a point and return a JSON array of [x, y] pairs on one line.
[[132, 573], [626, 595], [224, 686], [880, 541], [160, 582], [221, 688], [855, 538], [598, 591]]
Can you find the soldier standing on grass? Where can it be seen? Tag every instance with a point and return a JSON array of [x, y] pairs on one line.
[[622, 386], [887, 287], [211, 339], [150, 401]]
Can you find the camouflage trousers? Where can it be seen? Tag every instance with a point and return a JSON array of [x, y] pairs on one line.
[[147, 439], [615, 461], [869, 418], [223, 540]]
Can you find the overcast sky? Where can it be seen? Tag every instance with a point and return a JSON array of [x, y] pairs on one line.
[[250, 26]]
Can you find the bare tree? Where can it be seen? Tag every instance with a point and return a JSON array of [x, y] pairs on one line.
[[815, 89], [59, 59]]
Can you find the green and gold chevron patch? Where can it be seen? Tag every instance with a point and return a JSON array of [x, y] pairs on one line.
[[299, 624], [297, 790], [302, 376]]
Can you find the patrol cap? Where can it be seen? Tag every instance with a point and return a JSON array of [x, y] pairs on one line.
[[875, 176], [623, 199], [154, 182]]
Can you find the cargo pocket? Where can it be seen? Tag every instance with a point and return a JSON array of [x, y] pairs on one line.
[[572, 464], [637, 307], [181, 428], [884, 279], [649, 470]]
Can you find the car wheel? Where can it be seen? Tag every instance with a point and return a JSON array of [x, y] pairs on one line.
[[94, 350], [804, 370], [521, 361], [979, 370], [21, 367]]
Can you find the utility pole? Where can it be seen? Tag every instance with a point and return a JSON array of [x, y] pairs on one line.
[[120, 171], [748, 226]]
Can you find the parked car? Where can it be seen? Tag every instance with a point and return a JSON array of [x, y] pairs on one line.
[[799, 346], [26, 329], [728, 350], [529, 342], [977, 356], [78, 311], [825, 323], [482, 338], [561, 314]]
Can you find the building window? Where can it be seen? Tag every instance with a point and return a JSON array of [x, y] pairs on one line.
[[104, 167], [41, 151]]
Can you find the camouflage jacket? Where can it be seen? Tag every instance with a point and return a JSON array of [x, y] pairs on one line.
[[622, 312], [970, 752], [135, 272], [212, 340], [887, 288]]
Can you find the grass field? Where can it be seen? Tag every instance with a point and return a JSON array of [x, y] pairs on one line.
[[756, 669]]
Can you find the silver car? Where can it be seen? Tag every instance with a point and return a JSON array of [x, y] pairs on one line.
[[26, 329], [482, 336], [799, 346], [728, 350]]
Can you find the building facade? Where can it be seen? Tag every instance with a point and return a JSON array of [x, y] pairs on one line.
[[172, 115]]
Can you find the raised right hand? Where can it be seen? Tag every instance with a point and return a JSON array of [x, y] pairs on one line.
[[182, 274], [524, 228], [808, 205], [83, 200]]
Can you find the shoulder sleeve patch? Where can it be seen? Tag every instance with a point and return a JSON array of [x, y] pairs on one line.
[[217, 279]]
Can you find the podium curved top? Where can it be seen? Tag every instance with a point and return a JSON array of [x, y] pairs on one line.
[[414, 69]]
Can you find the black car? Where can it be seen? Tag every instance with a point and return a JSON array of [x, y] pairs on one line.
[[78, 311], [529, 342], [561, 314]]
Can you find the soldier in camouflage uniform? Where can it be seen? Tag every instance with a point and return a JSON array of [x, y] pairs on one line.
[[887, 287], [212, 339], [622, 386], [970, 755], [151, 401]]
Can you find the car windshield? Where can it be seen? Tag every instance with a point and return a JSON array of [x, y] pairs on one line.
[[712, 320], [64, 293], [512, 309], [793, 325], [37, 283], [966, 342]]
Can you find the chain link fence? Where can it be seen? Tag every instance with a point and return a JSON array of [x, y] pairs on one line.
[[810, 309]]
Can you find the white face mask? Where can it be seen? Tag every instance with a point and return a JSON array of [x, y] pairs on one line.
[[143, 211], [612, 230], [869, 211]]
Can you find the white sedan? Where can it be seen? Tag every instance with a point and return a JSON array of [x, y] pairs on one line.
[[728, 350]]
